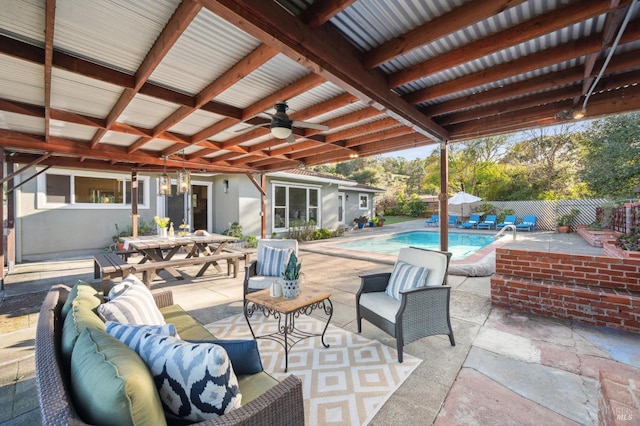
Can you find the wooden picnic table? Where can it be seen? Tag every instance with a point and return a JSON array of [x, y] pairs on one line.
[[159, 251]]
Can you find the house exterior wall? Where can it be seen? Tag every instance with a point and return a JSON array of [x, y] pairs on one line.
[[353, 209], [46, 233], [225, 205]]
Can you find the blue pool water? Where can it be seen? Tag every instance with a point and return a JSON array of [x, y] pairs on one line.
[[460, 245]]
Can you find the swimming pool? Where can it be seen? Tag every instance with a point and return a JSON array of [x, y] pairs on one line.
[[460, 245]]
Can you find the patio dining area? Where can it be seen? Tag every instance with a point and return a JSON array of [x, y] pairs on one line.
[[506, 368]]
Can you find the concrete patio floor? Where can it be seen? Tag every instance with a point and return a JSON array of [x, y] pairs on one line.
[[506, 367]]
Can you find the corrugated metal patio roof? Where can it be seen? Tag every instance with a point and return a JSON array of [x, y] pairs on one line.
[[122, 85]]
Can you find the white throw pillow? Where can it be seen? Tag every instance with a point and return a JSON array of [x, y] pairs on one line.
[[133, 306], [273, 261], [195, 380], [119, 288], [405, 277]]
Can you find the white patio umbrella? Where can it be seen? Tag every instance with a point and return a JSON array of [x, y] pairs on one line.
[[462, 198]]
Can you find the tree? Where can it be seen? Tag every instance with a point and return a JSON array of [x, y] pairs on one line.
[[612, 156], [550, 161]]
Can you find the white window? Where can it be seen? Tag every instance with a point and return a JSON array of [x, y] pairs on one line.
[[363, 203], [81, 189], [295, 205]]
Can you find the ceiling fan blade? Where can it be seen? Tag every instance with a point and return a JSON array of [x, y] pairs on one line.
[[306, 125], [246, 129], [291, 138]]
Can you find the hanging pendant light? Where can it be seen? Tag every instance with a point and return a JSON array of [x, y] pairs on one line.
[[184, 178], [164, 183]]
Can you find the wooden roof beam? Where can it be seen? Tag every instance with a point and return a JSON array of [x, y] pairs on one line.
[[179, 21], [326, 53], [457, 19], [619, 62], [525, 31], [374, 126], [321, 11], [565, 52]]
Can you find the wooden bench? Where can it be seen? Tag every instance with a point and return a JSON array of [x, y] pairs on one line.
[[109, 265], [149, 269]]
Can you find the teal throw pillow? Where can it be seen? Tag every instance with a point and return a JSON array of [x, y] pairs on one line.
[[111, 385]]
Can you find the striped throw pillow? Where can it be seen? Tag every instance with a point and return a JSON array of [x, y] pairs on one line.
[[405, 277], [273, 261], [134, 306], [130, 334]]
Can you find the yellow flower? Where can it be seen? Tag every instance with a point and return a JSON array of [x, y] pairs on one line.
[[162, 222]]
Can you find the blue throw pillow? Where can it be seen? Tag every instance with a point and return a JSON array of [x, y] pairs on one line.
[[131, 334], [273, 261], [195, 380], [243, 354], [405, 277]]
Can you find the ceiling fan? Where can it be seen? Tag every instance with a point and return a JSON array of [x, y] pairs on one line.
[[281, 124]]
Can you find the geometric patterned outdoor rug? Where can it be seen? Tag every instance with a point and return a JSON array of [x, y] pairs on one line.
[[344, 384]]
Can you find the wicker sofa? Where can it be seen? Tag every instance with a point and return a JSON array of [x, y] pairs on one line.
[[272, 402]]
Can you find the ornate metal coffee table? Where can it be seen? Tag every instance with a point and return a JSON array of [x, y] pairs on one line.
[[286, 311]]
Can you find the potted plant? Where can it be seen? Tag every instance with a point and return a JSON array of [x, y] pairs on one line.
[[564, 221], [119, 245], [380, 221], [361, 221], [291, 278]]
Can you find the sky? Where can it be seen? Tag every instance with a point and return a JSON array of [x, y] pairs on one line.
[[425, 151]]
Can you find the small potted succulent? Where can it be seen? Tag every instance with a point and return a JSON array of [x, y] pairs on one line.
[[291, 278]]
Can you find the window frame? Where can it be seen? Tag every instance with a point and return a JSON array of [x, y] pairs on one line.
[[288, 186], [41, 190], [362, 196]]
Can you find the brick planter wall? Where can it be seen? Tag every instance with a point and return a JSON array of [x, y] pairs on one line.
[[595, 290]]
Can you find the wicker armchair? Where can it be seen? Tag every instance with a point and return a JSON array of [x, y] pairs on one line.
[[421, 312], [253, 281]]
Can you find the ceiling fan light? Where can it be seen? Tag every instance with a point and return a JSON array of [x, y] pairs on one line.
[[577, 115], [280, 132]]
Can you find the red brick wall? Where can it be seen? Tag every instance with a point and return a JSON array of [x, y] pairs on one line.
[[595, 290]]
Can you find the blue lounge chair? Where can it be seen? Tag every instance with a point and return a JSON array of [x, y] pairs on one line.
[[528, 224], [508, 220], [473, 221], [432, 221], [453, 221], [489, 222]]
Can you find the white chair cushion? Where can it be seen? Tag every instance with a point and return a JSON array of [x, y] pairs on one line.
[[272, 261], [405, 277], [435, 262], [260, 283], [382, 304]]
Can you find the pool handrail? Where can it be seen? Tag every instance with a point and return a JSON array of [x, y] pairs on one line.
[[504, 229]]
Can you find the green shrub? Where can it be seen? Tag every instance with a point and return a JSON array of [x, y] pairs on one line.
[[251, 241], [322, 234]]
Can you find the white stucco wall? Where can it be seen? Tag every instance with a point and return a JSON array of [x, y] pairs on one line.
[[46, 233]]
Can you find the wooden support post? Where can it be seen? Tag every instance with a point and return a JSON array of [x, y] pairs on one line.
[[134, 203], [11, 219], [263, 204], [443, 198]]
